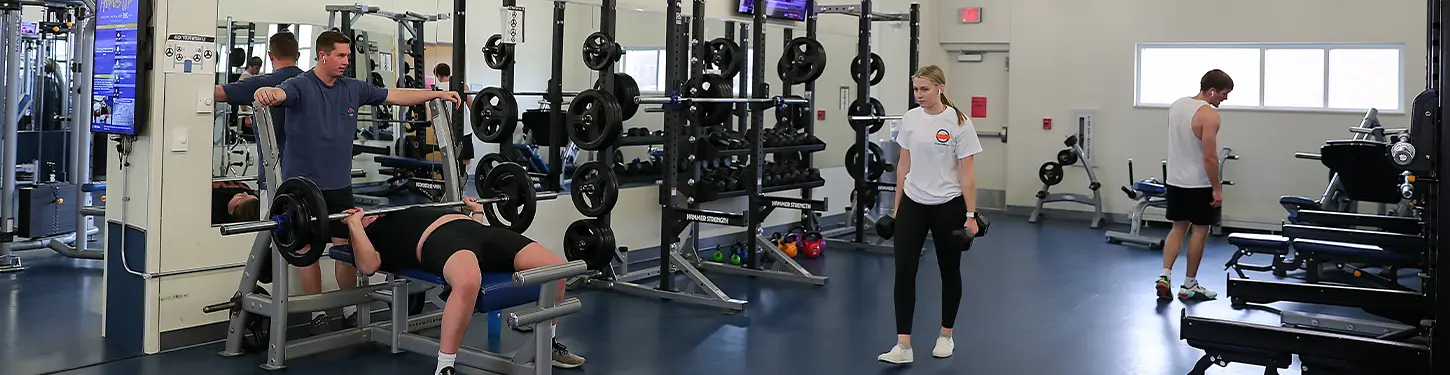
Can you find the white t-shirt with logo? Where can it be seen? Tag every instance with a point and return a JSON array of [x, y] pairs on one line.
[[936, 143]]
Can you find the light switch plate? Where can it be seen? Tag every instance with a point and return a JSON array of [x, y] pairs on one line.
[[179, 140]]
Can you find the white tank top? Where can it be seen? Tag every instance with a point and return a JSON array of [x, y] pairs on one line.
[[1185, 150]]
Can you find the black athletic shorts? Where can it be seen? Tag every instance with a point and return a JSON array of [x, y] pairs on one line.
[[338, 201], [1194, 205], [495, 247]]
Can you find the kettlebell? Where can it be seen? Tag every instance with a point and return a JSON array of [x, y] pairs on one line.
[[814, 242], [736, 253], [780, 243], [718, 256]]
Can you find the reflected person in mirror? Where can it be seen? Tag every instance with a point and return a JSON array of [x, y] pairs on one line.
[[321, 106], [282, 51]]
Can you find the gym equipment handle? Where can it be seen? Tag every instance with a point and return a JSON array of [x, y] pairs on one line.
[[670, 100], [1305, 155], [550, 273], [539, 315]]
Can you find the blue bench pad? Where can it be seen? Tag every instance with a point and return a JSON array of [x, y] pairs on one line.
[[402, 162], [1351, 252], [1259, 241], [94, 187], [1150, 188], [497, 293]]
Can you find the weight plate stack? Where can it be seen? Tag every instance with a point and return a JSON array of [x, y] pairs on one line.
[[590, 241], [301, 215], [594, 120], [595, 189], [1050, 173], [495, 115]]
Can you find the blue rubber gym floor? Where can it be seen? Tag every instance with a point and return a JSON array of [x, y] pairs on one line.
[[1051, 298]]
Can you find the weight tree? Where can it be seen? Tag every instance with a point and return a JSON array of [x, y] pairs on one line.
[[865, 160]]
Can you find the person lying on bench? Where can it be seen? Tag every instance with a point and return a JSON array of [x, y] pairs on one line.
[[234, 202], [458, 247]]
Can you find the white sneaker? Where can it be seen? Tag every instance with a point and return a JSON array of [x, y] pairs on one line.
[[944, 346], [899, 354]]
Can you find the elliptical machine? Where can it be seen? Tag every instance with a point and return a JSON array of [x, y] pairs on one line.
[[1051, 174]]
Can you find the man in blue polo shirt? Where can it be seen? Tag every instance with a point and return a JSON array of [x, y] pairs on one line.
[[321, 105], [282, 50]]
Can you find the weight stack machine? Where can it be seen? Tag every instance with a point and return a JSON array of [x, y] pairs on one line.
[[865, 161]]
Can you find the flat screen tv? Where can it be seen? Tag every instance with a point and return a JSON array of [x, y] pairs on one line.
[[116, 82], [780, 9]]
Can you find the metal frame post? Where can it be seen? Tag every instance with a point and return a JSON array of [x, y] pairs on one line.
[[11, 115], [557, 128], [863, 96]]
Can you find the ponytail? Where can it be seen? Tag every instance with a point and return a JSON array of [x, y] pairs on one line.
[[961, 117]]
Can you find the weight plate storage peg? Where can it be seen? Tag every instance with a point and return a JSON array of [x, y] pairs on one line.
[[792, 115], [495, 115], [594, 120], [803, 61], [301, 214], [600, 51], [1067, 157], [1050, 173], [725, 56], [878, 69], [511, 182], [625, 90], [595, 189], [872, 108], [496, 54], [591, 242]]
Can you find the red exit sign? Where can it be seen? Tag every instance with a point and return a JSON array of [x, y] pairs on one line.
[[972, 15]]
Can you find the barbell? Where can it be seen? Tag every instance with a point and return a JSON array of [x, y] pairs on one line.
[[299, 216]]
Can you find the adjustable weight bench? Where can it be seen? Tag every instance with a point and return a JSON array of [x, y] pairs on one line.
[[499, 291], [1248, 244], [1345, 255]]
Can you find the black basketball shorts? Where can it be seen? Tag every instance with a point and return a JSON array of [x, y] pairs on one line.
[[1194, 205]]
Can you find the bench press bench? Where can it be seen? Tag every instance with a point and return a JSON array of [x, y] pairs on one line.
[[1249, 244], [499, 291]]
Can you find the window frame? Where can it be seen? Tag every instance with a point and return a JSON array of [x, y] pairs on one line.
[[660, 74], [1262, 47]]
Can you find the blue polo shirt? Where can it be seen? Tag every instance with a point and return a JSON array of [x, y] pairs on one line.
[[323, 121], [243, 93]]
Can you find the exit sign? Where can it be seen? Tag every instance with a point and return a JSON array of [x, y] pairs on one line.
[[972, 15]]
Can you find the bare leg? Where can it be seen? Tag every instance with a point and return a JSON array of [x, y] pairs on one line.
[[311, 276], [345, 273], [1196, 241], [1174, 243], [462, 273]]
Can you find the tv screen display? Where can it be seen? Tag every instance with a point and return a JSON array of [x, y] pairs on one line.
[[785, 9], [114, 79]]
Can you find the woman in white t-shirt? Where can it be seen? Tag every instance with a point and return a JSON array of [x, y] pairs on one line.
[[936, 192]]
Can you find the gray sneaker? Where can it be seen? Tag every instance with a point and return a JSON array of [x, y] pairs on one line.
[[564, 359]]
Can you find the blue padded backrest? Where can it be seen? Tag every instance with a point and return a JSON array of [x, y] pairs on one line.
[[497, 293]]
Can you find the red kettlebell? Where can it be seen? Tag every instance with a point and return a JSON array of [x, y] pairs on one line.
[[815, 243]]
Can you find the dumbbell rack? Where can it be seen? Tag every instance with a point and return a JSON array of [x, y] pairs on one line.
[[865, 189]]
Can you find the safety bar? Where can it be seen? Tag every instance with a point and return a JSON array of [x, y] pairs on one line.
[[542, 275], [1355, 236], [356, 172], [1382, 130], [1306, 155], [543, 314], [1395, 224], [541, 93], [93, 210]]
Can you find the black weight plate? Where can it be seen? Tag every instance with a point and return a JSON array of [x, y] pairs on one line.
[[511, 181], [726, 56], [1050, 173], [803, 61], [595, 189], [495, 115], [300, 202], [486, 165], [594, 120], [590, 242], [872, 108], [792, 115], [496, 54], [878, 69], [1066, 157], [258, 326], [873, 162], [600, 51], [713, 87], [625, 91]]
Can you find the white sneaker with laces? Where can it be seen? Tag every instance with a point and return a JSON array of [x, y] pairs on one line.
[[899, 354], [944, 346]]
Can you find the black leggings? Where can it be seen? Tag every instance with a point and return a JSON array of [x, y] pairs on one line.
[[912, 222]]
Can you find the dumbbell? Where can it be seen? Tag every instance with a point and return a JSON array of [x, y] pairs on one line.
[[966, 238], [815, 174], [634, 169]]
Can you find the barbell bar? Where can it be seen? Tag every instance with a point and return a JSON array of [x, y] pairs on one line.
[[675, 100], [266, 225], [874, 118]]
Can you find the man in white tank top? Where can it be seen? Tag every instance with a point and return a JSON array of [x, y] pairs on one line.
[[1195, 194]]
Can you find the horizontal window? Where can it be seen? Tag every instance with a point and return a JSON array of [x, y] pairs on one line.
[[1276, 75]]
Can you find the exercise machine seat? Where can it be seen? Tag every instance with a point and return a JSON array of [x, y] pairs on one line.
[[1294, 204], [1151, 188], [1352, 252], [407, 163], [94, 187], [1259, 241], [498, 291]]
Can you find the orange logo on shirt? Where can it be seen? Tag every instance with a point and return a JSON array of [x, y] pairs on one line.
[[943, 136]]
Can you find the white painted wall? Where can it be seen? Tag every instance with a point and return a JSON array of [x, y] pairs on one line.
[[1069, 55]]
